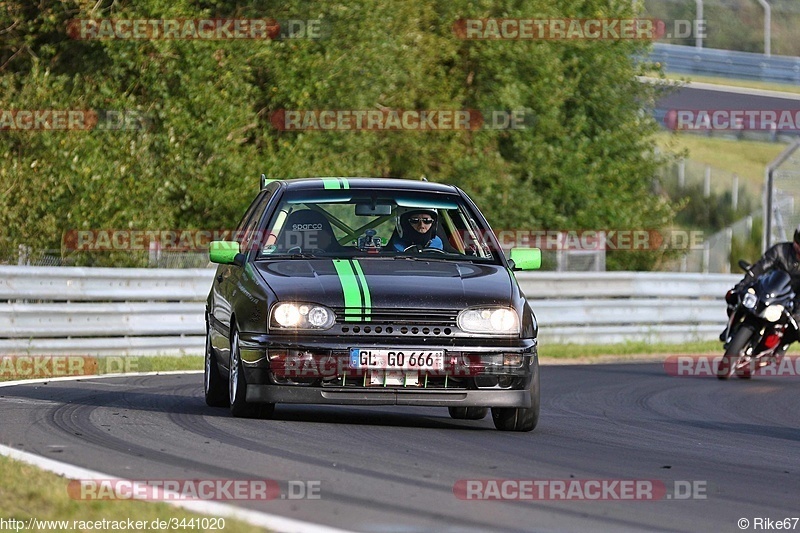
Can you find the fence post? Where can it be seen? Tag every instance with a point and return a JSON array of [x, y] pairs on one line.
[[707, 182], [698, 41], [24, 255], [681, 174], [767, 27], [726, 268], [735, 192]]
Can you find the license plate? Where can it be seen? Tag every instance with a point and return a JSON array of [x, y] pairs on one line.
[[396, 359]]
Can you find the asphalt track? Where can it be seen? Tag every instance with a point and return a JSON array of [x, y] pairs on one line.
[[707, 98], [394, 469]]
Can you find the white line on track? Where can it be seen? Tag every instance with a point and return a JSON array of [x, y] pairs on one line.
[[266, 520]]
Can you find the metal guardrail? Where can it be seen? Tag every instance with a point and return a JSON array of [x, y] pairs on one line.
[[726, 63], [614, 307], [107, 311]]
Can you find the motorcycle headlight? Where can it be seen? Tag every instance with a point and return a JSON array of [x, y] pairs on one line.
[[749, 300], [301, 316], [773, 313], [491, 320]]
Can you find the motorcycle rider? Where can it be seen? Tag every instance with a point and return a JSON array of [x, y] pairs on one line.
[[785, 256]]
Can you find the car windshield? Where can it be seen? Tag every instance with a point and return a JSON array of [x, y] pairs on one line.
[[377, 223]]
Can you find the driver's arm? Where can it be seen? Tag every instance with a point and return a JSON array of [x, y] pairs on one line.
[[765, 264]]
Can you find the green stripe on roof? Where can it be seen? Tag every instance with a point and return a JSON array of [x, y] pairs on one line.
[[335, 183]]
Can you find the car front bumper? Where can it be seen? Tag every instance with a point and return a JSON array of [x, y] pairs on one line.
[[393, 396], [493, 373]]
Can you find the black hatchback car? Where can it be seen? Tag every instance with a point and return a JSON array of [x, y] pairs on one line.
[[370, 291]]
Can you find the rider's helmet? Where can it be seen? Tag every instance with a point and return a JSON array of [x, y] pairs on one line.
[[409, 234]]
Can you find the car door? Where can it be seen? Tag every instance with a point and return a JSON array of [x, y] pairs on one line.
[[228, 276]]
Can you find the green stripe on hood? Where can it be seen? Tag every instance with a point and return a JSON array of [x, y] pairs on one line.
[[357, 299]]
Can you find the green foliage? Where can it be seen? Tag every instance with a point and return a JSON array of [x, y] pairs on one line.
[[588, 161], [747, 248], [711, 213]]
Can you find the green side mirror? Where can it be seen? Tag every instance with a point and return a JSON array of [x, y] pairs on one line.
[[526, 258], [223, 252]]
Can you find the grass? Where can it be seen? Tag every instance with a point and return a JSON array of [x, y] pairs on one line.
[[28, 492], [574, 351], [743, 157]]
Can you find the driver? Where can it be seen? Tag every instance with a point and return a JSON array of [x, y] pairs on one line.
[[416, 228], [785, 256]]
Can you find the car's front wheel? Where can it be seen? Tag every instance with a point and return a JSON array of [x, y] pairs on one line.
[[237, 387], [214, 387], [520, 418]]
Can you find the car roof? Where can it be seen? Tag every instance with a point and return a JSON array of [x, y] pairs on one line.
[[359, 183]]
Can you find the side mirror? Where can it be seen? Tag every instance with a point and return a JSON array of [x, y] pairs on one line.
[[526, 258], [225, 253]]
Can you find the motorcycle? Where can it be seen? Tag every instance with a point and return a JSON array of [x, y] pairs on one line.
[[759, 319]]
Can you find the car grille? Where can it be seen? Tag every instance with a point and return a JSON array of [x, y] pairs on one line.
[[424, 322]]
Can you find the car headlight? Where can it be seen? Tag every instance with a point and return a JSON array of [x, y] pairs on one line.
[[492, 320], [291, 315], [749, 300], [773, 313]]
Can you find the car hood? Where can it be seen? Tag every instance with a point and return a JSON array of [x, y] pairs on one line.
[[388, 283]]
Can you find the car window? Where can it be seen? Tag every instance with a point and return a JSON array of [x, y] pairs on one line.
[[356, 223], [246, 234]]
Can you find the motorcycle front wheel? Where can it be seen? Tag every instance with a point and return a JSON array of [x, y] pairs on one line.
[[734, 356]]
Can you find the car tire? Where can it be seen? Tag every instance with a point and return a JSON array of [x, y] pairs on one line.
[[237, 387], [520, 418], [468, 413], [215, 388]]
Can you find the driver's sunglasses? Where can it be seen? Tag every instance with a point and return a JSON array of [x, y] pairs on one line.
[[417, 220]]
